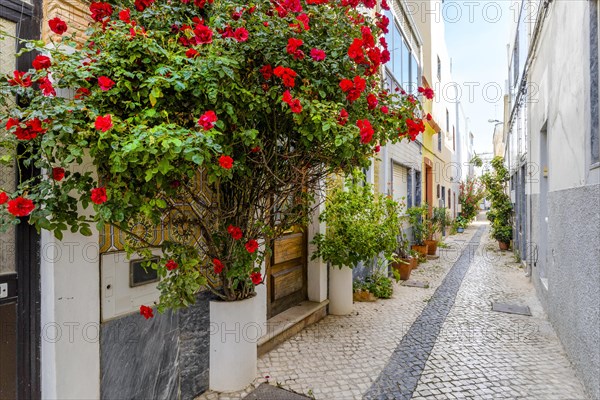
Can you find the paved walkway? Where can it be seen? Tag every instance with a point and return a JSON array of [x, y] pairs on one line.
[[443, 342]]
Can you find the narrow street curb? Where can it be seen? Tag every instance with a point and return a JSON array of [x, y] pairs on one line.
[[399, 378]]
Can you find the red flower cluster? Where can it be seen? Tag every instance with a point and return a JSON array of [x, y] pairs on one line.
[[20, 207], [427, 92], [27, 131], [146, 312], [81, 93], [294, 104], [382, 22], [100, 10], [235, 232], [98, 195], [207, 120], [353, 89], [103, 123], [293, 48], [287, 75], [171, 265], [364, 52], [217, 266], [125, 15], [366, 130], [251, 245], [226, 162], [303, 21], [283, 7], [240, 34], [18, 79], [201, 34], [57, 25], [266, 71], [414, 128], [3, 198], [256, 278], [41, 62]]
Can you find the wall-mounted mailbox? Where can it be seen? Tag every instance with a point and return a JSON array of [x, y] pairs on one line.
[[126, 284], [141, 273]]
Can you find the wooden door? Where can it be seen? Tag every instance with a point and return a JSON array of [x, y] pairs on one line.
[[287, 273]]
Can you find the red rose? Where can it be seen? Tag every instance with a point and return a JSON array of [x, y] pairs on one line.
[[57, 25], [20, 207], [3, 198], [382, 23], [353, 88], [287, 75], [377, 149], [100, 10], [125, 15], [427, 92], [240, 34], [191, 53], [58, 173], [141, 5], [226, 162], [217, 266], [81, 92], [171, 265], [235, 232], [385, 5], [105, 83], [266, 71], [46, 87], [294, 104], [366, 130], [256, 278], [372, 101], [343, 117], [251, 245], [255, 149], [32, 129], [385, 110], [98, 195], [429, 117], [317, 55], [355, 51], [41, 62], [293, 44], [103, 123], [367, 36], [146, 312], [18, 79], [203, 34], [207, 120]]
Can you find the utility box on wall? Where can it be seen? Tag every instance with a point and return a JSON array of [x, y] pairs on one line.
[[125, 284]]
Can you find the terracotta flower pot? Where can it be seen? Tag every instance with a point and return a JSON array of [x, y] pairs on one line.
[[422, 249], [431, 247], [414, 263], [503, 245], [404, 266]]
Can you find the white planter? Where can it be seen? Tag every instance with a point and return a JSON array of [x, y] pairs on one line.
[[234, 332], [340, 290]]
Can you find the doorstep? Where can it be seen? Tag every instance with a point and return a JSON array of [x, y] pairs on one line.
[[288, 323]]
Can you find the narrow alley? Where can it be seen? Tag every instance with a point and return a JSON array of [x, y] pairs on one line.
[[439, 342]]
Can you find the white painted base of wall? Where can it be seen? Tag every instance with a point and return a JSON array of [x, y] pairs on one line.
[[340, 291], [234, 333]]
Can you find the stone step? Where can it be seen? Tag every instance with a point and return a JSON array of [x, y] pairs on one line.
[[288, 323]]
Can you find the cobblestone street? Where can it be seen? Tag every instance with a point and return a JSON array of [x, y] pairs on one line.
[[440, 342]]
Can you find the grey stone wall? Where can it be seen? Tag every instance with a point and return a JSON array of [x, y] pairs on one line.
[[166, 357], [572, 300]]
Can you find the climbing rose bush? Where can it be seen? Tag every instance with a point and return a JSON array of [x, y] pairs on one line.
[[223, 118]]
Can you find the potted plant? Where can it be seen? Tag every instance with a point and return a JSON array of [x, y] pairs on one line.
[[401, 259], [179, 112], [416, 218], [433, 226], [460, 223], [361, 225], [500, 213]]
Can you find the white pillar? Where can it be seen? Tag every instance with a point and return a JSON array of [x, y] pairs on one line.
[[317, 269], [70, 316]]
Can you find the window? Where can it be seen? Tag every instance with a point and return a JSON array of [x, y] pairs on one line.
[[453, 140], [438, 191], [439, 68], [515, 61], [447, 120], [414, 74], [418, 188], [409, 189], [449, 198], [403, 65], [399, 179], [439, 141]]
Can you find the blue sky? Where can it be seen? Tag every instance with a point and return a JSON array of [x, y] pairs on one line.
[[477, 33]]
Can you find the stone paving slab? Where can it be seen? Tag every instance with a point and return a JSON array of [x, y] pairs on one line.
[[268, 392]]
